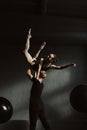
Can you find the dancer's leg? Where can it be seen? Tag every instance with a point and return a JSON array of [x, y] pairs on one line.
[[28, 56], [33, 119], [43, 119], [41, 48], [27, 47]]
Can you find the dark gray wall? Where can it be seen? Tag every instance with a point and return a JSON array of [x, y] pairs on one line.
[[75, 8], [67, 38]]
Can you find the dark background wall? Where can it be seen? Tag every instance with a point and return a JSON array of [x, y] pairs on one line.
[[66, 36]]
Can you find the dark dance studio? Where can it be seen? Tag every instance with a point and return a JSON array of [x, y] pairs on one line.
[[43, 65]]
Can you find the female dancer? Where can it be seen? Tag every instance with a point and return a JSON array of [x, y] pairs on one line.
[[36, 107], [47, 62]]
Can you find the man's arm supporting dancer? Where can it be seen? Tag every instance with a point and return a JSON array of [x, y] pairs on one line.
[[37, 73]]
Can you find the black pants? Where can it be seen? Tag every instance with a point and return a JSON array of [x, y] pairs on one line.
[[37, 111]]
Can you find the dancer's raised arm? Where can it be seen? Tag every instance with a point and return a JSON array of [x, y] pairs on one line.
[[29, 74], [39, 68], [63, 66]]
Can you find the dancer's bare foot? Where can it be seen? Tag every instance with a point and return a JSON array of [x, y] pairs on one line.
[[43, 45], [29, 33]]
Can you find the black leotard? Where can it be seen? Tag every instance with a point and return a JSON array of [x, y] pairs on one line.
[[36, 106], [35, 96]]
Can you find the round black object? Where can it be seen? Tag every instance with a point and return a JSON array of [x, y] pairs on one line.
[[6, 110], [78, 98]]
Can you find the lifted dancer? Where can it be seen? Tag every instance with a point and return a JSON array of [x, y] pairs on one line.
[[48, 62]]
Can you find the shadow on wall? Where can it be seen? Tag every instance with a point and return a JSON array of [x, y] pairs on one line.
[[15, 125], [78, 98]]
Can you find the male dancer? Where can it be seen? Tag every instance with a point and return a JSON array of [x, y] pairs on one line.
[[36, 107]]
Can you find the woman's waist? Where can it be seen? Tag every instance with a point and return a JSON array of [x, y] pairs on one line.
[[34, 99]]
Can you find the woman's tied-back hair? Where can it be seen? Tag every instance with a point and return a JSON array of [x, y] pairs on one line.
[[54, 56], [43, 74]]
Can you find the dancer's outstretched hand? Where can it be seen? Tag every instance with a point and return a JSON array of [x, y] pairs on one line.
[[74, 65]]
